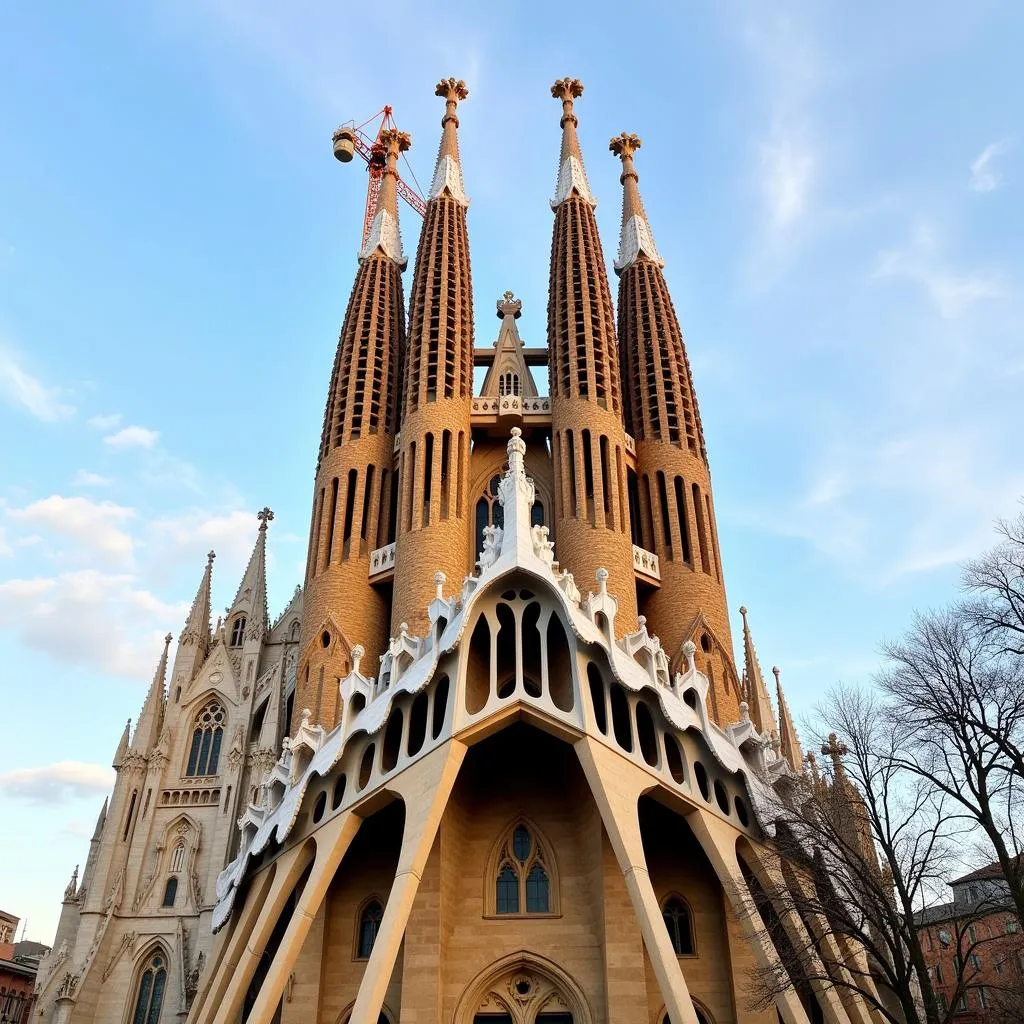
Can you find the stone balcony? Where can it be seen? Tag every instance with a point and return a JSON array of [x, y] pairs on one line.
[[647, 565], [382, 563]]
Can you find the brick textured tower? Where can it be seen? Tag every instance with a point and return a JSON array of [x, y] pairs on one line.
[[433, 524], [353, 503], [588, 437], [673, 514]]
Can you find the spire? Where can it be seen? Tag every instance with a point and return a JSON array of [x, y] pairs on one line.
[[101, 820], [72, 887], [448, 170], [758, 701], [252, 591], [384, 234], [661, 406], [635, 236], [440, 349], [122, 746], [571, 176], [508, 373], [151, 717], [197, 625], [787, 731], [581, 324]]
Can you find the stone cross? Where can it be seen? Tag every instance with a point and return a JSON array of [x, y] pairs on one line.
[[265, 516], [835, 748]]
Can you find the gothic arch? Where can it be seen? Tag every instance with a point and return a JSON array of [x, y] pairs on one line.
[[703, 1013], [520, 985], [140, 965], [387, 1015], [357, 923], [542, 852], [478, 484]]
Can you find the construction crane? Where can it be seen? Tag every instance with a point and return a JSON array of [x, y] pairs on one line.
[[352, 138]]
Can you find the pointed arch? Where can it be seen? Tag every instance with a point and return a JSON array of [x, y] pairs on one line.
[[521, 879], [491, 987], [368, 917], [208, 725], [148, 990], [698, 629], [386, 1015], [703, 1014], [678, 917]]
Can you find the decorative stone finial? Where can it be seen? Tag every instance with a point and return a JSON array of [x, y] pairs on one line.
[[265, 516], [439, 581], [72, 890], [452, 89], [689, 650], [625, 145], [210, 556], [602, 580], [403, 629], [167, 640], [776, 671], [743, 610], [306, 716], [835, 748], [567, 90], [391, 137], [358, 653], [509, 305], [744, 711]]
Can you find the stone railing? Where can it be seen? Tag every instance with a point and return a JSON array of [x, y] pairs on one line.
[[511, 405], [382, 560], [646, 562], [631, 448]]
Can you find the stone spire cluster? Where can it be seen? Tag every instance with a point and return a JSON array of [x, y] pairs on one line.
[[672, 497], [588, 433], [355, 488], [433, 525]]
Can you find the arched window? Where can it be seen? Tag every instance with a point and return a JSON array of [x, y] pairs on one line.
[[237, 632], [509, 384], [489, 511], [178, 857], [170, 891], [369, 925], [702, 1017], [151, 991], [680, 928], [522, 875], [206, 740], [537, 513]]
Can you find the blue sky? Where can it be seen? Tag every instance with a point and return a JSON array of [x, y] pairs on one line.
[[836, 189]]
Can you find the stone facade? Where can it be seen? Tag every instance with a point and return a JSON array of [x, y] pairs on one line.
[[523, 806]]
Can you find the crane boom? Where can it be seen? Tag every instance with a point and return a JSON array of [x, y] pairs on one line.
[[351, 138]]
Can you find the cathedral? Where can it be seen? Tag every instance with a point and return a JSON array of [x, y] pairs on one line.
[[494, 763]]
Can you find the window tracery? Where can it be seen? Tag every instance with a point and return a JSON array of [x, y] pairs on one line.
[[679, 923], [207, 736], [178, 857], [237, 632], [369, 925], [509, 384], [150, 995], [521, 881]]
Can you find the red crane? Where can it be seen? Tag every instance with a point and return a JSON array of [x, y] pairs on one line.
[[351, 138]]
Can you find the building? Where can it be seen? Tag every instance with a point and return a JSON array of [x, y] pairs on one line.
[[19, 962], [978, 930], [523, 780]]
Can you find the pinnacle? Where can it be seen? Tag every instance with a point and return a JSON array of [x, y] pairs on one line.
[[452, 89], [567, 89], [448, 170], [625, 145]]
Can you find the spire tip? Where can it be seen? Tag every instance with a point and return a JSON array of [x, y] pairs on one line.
[[625, 145], [567, 89], [452, 89]]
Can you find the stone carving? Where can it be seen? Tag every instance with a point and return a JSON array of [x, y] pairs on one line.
[[492, 547]]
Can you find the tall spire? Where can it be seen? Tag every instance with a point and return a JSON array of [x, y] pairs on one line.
[[194, 641], [252, 591], [122, 746], [758, 701], [384, 233], [433, 527], [635, 236], [589, 443], [787, 731], [355, 479], [101, 820], [151, 717]]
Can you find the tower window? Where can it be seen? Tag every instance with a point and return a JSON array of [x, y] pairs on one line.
[[509, 384], [369, 926], [170, 891], [207, 736], [677, 920], [237, 631], [522, 877], [178, 857], [489, 511], [150, 997]]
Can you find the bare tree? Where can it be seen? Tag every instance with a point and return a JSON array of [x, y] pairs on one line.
[[959, 691], [864, 847]]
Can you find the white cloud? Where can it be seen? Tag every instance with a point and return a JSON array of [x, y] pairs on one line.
[[133, 437], [951, 291], [984, 176], [5, 549], [94, 526], [787, 168], [96, 620], [86, 478], [29, 393], [105, 422], [57, 783]]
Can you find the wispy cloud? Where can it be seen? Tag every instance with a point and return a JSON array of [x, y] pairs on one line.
[[5, 549], [106, 421], [86, 478], [951, 291], [93, 526], [57, 783], [26, 392], [787, 171], [984, 175], [132, 437]]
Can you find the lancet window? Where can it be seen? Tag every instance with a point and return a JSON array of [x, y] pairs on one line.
[[369, 925], [489, 511], [150, 996], [677, 919], [237, 632], [509, 384], [522, 877], [170, 891], [207, 736]]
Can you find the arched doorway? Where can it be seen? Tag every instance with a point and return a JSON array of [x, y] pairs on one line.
[[523, 988]]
